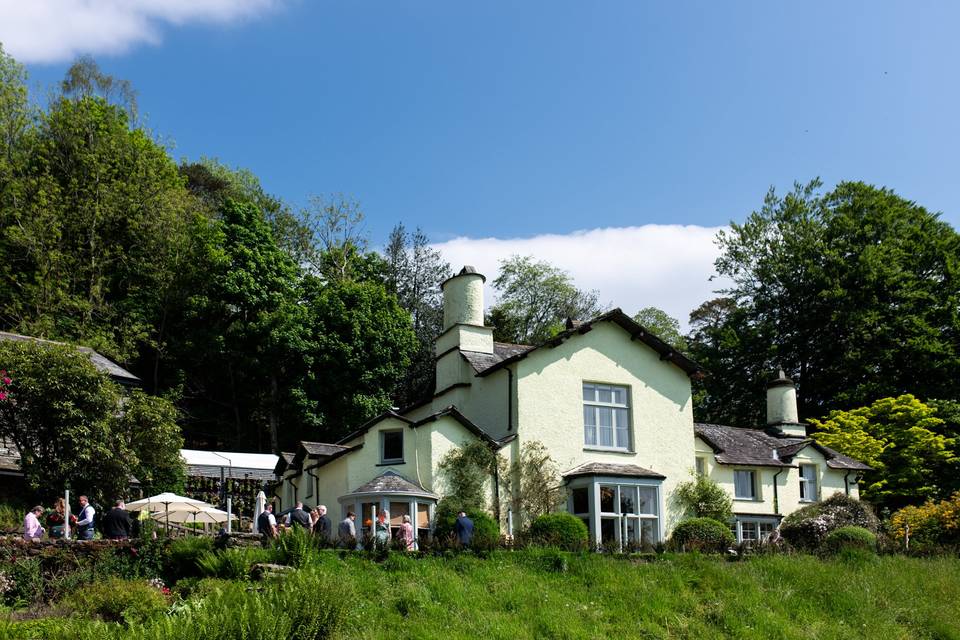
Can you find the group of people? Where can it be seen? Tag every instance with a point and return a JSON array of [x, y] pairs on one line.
[[317, 522], [116, 523]]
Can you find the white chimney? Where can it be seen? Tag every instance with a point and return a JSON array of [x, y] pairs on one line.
[[782, 412], [463, 328]]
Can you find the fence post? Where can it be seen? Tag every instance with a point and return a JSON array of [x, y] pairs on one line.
[[66, 514]]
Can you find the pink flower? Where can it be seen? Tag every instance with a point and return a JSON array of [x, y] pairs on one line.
[[3, 396], [7, 381]]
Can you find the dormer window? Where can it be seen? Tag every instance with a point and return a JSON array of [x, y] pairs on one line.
[[391, 446], [606, 416]]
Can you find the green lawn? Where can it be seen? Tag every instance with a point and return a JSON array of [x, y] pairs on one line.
[[531, 595]]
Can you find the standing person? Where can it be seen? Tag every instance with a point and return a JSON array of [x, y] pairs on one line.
[[348, 530], [299, 517], [57, 519], [31, 524], [267, 524], [322, 527], [314, 516], [85, 525], [382, 535], [116, 522], [464, 529], [406, 532]]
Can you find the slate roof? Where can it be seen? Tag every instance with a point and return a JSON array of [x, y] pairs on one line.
[[284, 461], [321, 448], [101, 362], [501, 351], [760, 448], [392, 482], [9, 459], [611, 469], [617, 316]]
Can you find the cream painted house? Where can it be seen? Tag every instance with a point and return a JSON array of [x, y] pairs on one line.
[[612, 404]]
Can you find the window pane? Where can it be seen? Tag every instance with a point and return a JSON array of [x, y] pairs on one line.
[[393, 445], [605, 415], [628, 499], [648, 532], [766, 528], [749, 530], [589, 425], [619, 395], [581, 500], [604, 394], [608, 530], [623, 437], [589, 393], [607, 495], [589, 415], [743, 484], [648, 500], [701, 467]]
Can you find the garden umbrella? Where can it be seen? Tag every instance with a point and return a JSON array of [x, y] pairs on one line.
[[258, 509], [205, 515], [169, 502]]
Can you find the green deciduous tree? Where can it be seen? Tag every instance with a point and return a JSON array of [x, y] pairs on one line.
[[534, 298], [414, 274], [663, 325], [363, 341], [74, 427], [899, 438], [853, 292]]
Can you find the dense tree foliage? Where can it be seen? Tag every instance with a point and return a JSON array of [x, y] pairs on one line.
[[414, 274], [266, 325], [534, 299], [662, 325], [74, 427], [854, 293], [901, 439]]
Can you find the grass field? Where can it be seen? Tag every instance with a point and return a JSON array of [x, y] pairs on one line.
[[550, 595]]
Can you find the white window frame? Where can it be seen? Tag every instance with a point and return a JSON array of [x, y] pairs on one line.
[[595, 516], [383, 447], [755, 485], [806, 493], [700, 465], [597, 405], [752, 524]]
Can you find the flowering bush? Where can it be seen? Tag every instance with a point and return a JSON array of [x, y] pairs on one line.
[[807, 528], [5, 383], [930, 523]]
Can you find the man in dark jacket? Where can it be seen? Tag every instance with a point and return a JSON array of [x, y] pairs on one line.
[[267, 524], [464, 529], [299, 517], [116, 523], [323, 527]]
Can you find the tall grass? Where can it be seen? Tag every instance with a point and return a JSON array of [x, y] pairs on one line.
[[543, 594]]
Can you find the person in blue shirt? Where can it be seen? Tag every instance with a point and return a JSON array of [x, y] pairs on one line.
[[464, 529]]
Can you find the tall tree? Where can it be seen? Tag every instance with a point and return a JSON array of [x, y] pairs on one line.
[[899, 438], [363, 345], [414, 274], [663, 325], [534, 300], [854, 292]]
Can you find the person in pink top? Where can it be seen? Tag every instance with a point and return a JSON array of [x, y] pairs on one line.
[[31, 524], [406, 532]]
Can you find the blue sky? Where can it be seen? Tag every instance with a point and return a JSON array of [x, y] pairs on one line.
[[513, 120]]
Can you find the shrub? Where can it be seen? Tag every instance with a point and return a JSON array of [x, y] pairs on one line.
[[182, 558], [562, 530], [295, 546], [702, 534], [117, 600], [845, 538], [933, 523], [807, 528], [486, 532], [704, 498], [233, 564]]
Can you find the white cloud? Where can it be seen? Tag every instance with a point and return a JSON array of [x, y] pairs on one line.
[[665, 266], [47, 31]]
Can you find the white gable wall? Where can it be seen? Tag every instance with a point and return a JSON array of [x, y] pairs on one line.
[[550, 404]]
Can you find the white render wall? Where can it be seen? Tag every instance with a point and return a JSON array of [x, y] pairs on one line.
[[550, 404], [829, 482]]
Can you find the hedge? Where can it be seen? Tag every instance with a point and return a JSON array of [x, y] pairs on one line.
[[702, 534], [562, 530]]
